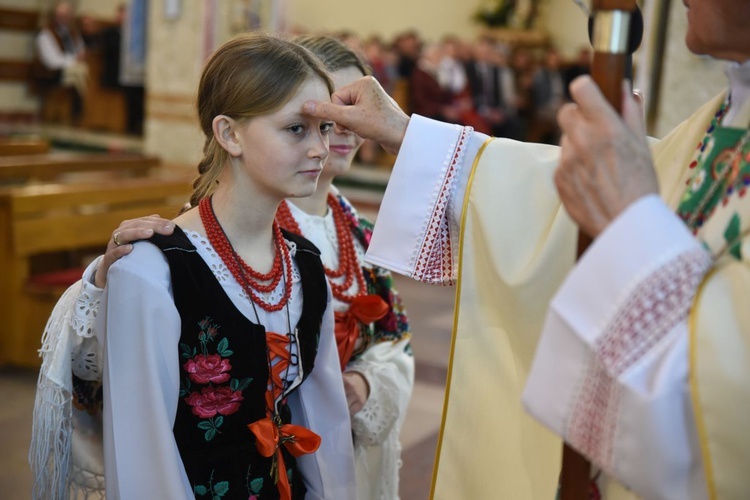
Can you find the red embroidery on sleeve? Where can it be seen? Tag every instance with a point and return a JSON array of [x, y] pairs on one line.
[[434, 259], [653, 309]]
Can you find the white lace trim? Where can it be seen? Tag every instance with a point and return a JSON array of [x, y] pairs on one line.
[[373, 423], [224, 276], [86, 485], [86, 307]]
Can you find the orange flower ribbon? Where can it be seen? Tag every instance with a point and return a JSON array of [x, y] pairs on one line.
[[296, 439], [363, 309]]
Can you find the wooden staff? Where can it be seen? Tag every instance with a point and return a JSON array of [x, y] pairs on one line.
[[612, 49]]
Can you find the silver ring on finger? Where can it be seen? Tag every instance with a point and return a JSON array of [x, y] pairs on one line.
[[115, 238]]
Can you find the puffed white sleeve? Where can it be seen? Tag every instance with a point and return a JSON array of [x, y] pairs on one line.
[[140, 335], [610, 373], [419, 218]]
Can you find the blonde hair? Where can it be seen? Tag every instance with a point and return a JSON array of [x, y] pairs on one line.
[[252, 74], [334, 54]]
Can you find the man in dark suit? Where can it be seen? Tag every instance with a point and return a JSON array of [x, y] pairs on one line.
[[488, 82]]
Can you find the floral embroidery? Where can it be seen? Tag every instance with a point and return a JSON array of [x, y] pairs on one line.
[[204, 369], [721, 171], [215, 491], [214, 401], [698, 180]]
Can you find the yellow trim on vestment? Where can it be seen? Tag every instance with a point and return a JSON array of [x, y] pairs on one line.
[[464, 211], [700, 423]]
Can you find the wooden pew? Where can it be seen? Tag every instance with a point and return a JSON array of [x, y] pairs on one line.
[[38, 220], [47, 167], [11, 146]]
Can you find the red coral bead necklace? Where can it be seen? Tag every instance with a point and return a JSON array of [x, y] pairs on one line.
[[250, 279], [349, 267]]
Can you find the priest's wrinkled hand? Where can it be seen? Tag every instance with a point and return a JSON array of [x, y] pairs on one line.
[[364, 108], [605, 162], [120, 244], [357, 391]]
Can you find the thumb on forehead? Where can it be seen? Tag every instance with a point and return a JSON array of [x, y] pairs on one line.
[[321, 109]]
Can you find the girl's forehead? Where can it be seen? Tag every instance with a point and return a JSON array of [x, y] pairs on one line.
[[312, 89]]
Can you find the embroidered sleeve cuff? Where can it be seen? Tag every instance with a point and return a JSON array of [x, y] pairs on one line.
[[414, 218], [645, 249]]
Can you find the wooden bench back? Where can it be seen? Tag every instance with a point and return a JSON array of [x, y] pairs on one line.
[[11, 146], [57, 217], [48, 167]]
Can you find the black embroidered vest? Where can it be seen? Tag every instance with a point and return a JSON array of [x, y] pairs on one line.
[[224, 374]]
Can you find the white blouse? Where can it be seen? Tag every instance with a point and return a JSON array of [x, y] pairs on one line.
[[140, 331]]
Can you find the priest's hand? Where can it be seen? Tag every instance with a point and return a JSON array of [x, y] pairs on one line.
[[364, 108], [605, 162], [357, 391], [120, 244]]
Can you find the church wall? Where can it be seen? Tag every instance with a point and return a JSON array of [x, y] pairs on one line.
[[174, 64], [16, 45], [566, 25], [14, 96], [431, 18], [104, 9], [687, 80]]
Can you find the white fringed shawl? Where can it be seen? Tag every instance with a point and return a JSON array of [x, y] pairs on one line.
[[50, 454]]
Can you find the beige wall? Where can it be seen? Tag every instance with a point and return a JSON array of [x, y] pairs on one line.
[[173, 69], [104, 9], [14, 45], [566, 25], [431, 18], [687, 80]]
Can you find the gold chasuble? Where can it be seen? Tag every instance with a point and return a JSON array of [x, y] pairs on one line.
[[517, 245]]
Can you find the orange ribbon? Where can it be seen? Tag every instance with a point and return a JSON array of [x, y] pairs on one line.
[[363, 309], [296, 439]]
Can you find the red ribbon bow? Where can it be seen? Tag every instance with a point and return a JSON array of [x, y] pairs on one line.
[[363, 309], [296, 439]]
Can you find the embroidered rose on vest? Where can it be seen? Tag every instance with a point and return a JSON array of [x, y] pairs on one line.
[[203, 369], [213, 400], [208, 328]]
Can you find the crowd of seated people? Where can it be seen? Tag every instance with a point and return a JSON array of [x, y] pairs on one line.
[[497, 89]]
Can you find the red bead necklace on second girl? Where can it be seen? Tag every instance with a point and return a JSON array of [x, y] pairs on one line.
[[363, 308]]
